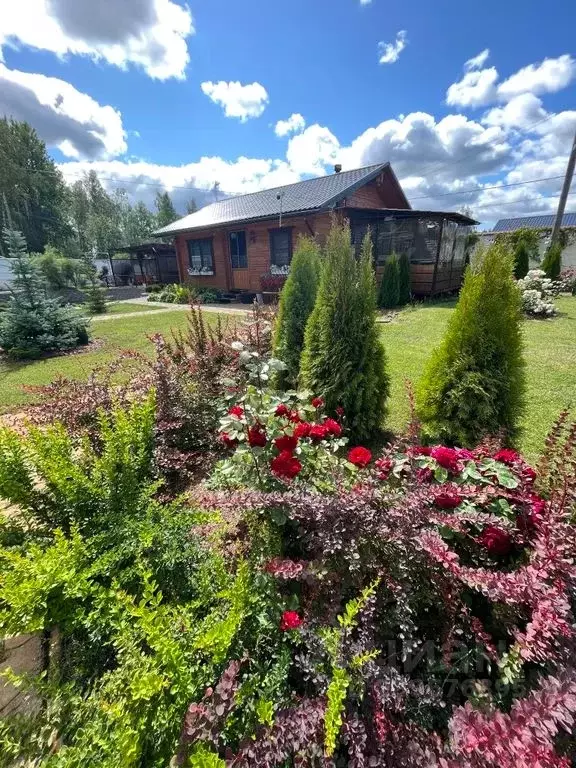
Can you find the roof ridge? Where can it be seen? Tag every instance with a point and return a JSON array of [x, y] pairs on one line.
[[294, 183]]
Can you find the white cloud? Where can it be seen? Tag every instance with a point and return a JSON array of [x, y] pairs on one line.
[[237, 100], [150, 34], [390, 52], [522, 111], [63, 116], [549, 76], [365, 2], [294, 124], [312, 150], [477, 62], [475, 89]]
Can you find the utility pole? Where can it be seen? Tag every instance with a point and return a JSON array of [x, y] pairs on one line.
[[564, 193]]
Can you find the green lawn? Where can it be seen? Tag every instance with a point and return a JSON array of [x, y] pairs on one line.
[[121, 333], [409, 340], [550, 356], [123, 308]]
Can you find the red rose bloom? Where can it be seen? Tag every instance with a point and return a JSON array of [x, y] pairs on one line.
[[318, 432], [340, 411], [506, 456], [446, 457], [286, 443], [285, 465], [359, 456], [290, 620], [294, 417], [384, 467], [302, 429], [317, 402], [496, 541], [282, 410], [447, 499], [227, 440], [529, 474], [333, 427], [236, 410], [257, 436]]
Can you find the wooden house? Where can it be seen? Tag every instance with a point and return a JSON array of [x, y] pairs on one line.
[[245, 243]]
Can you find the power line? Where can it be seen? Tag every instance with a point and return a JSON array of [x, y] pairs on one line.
[[482, 189]]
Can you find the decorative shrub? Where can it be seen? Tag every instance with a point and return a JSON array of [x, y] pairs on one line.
[[389, 296], [474, 383], [567, 281], [552, 263], [175, 293], [34, 324], [96, 297], [521, 259], [404, 280], [343, 359], [537, 291], [272, 282], [295, 305]]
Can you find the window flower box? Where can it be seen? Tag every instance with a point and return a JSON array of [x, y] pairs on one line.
[[283, 270], [200, 272]]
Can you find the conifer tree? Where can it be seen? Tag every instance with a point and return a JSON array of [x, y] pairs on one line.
[[389, 296], [474, 384], [296, 303], [404, 280], [552, 263], [343, 359], [521, 259]]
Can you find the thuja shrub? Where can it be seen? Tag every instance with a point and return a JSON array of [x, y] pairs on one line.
[[552, 263], [389, 296], [474, 383], [521, 259], [404, 280], [296, 303], [343, 359]]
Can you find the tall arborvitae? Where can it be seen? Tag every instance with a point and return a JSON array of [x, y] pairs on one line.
[[404, 280], [343, 359], [389, 296], [296, 303], [552, 263], [474, 384]]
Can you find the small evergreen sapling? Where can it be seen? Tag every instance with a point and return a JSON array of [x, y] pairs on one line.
[[552, 263], [521, 259], [296, 303], [33, 323], [343, 359], [404, 279], [96, 296], [390, 286], [474, 384]]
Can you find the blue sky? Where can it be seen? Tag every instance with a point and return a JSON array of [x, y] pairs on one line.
[[157, 93]]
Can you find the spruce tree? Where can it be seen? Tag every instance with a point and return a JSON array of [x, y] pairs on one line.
[[296, 303], [521, 259], [474, 383], [389, 296], [96, 296], [552, 263], [404, 280], [343, 359]]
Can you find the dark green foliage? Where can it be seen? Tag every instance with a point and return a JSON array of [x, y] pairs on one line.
[[389, 296], [404, 280], [166, 213], [96, 297], [521, 259], [474, 384], [343, 359], [552, 263], [296, 303], [34, 324], [528, 236]]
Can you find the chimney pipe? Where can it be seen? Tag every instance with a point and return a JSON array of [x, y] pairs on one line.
[[337, 168]]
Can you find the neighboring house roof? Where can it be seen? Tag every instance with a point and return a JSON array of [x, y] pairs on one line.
[[509, 225], [310, 195]]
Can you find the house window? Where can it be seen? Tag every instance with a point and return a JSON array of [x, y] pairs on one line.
[[200, 256], [280, 247], [238, 252]]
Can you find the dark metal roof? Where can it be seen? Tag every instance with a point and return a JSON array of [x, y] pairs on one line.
[[153, 247], [402, 213], [304, 196], [509, 225]]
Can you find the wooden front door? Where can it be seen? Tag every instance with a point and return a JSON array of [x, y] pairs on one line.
[[238, 253]]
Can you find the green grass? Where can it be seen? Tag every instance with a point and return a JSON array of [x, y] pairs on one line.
[[122, 308], [550, 351], [409, 340], [122, 333]]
